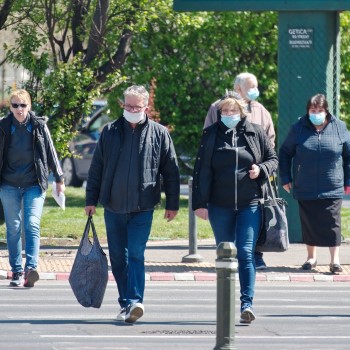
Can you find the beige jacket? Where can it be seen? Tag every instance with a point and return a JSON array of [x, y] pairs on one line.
[[258, 114]]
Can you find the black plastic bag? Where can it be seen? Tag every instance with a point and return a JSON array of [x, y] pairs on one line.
[[89, 275]]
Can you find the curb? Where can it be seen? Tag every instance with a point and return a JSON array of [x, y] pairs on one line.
[[201, 277]]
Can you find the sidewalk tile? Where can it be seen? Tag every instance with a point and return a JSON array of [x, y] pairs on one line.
[[184, 276], [261, 277], [161, 276], [302, 278], [323, 278], [48, 276], [278, 277], [202, 276], [63, 276], [341, 278]]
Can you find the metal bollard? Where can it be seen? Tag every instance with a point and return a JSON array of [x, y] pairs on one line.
[[192, 256], [226, 267]]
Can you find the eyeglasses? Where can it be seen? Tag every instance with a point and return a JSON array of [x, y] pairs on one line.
[[133, 108], [16, 105]]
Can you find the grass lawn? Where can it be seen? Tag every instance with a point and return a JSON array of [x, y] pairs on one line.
[[70, 223]]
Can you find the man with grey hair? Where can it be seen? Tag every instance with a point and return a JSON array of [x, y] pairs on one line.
[[132, 154], [246, 87]]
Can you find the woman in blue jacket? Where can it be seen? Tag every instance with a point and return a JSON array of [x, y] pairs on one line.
[[319, 146]]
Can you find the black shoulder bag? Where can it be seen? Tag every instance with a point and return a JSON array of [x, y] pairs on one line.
[[274, 229]]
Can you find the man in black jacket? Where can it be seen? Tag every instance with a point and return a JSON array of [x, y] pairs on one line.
[[124, 176]]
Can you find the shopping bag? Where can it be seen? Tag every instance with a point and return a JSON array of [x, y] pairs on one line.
[[89, 275], [274, 229]]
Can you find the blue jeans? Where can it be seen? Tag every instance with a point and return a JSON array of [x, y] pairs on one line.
[[127, 236], [31, 200], [242, 227]]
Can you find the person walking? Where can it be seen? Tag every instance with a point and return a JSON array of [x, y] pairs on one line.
[[131, 156], [315, 165], [27, 154], [234, 160], [246, 86]]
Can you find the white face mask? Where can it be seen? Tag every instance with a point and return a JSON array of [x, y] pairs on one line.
[[134, 118]]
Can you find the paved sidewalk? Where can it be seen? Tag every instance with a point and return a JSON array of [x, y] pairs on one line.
[[164, 263]]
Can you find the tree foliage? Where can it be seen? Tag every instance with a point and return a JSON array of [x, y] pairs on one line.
[[194, 57], [77, 50], [73, 51], [345, 67]]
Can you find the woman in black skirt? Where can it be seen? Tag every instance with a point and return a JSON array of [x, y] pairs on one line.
[[314, 161]]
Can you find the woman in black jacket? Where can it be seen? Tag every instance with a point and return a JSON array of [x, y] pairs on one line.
[[27, 154], [318, 146], [234, 158]]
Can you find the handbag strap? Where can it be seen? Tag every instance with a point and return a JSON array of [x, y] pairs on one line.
[[271, 191], [96, 241], [87, 228], [90, 223], [268, 191], [274, 177]]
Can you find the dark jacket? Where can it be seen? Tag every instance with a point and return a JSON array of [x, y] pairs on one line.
[[157, 157], [259, 145], [321, 160], [45, 156]]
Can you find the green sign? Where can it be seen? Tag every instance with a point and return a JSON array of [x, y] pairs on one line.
[[259, 5]]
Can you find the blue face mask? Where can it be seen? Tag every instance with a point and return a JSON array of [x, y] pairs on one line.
[[253, 94], [231, 121], [317, 119]]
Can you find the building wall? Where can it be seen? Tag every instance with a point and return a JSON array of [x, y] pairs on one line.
[[10, 75]]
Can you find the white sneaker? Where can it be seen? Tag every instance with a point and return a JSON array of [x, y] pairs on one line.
[[121, 315], [134, 312], [247, 316]]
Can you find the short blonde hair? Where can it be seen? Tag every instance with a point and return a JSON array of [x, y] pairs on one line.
[[22, 95], [231, 102]]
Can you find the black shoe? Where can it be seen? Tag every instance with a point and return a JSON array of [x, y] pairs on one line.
[[259, 263], [308, 266], [17, 279], [335, 268], [30, 277]]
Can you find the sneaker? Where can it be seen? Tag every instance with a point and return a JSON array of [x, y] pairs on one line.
[[134, 312], [30, 277], [17, 279], [259, 263], [247, 315], [121, 315]]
